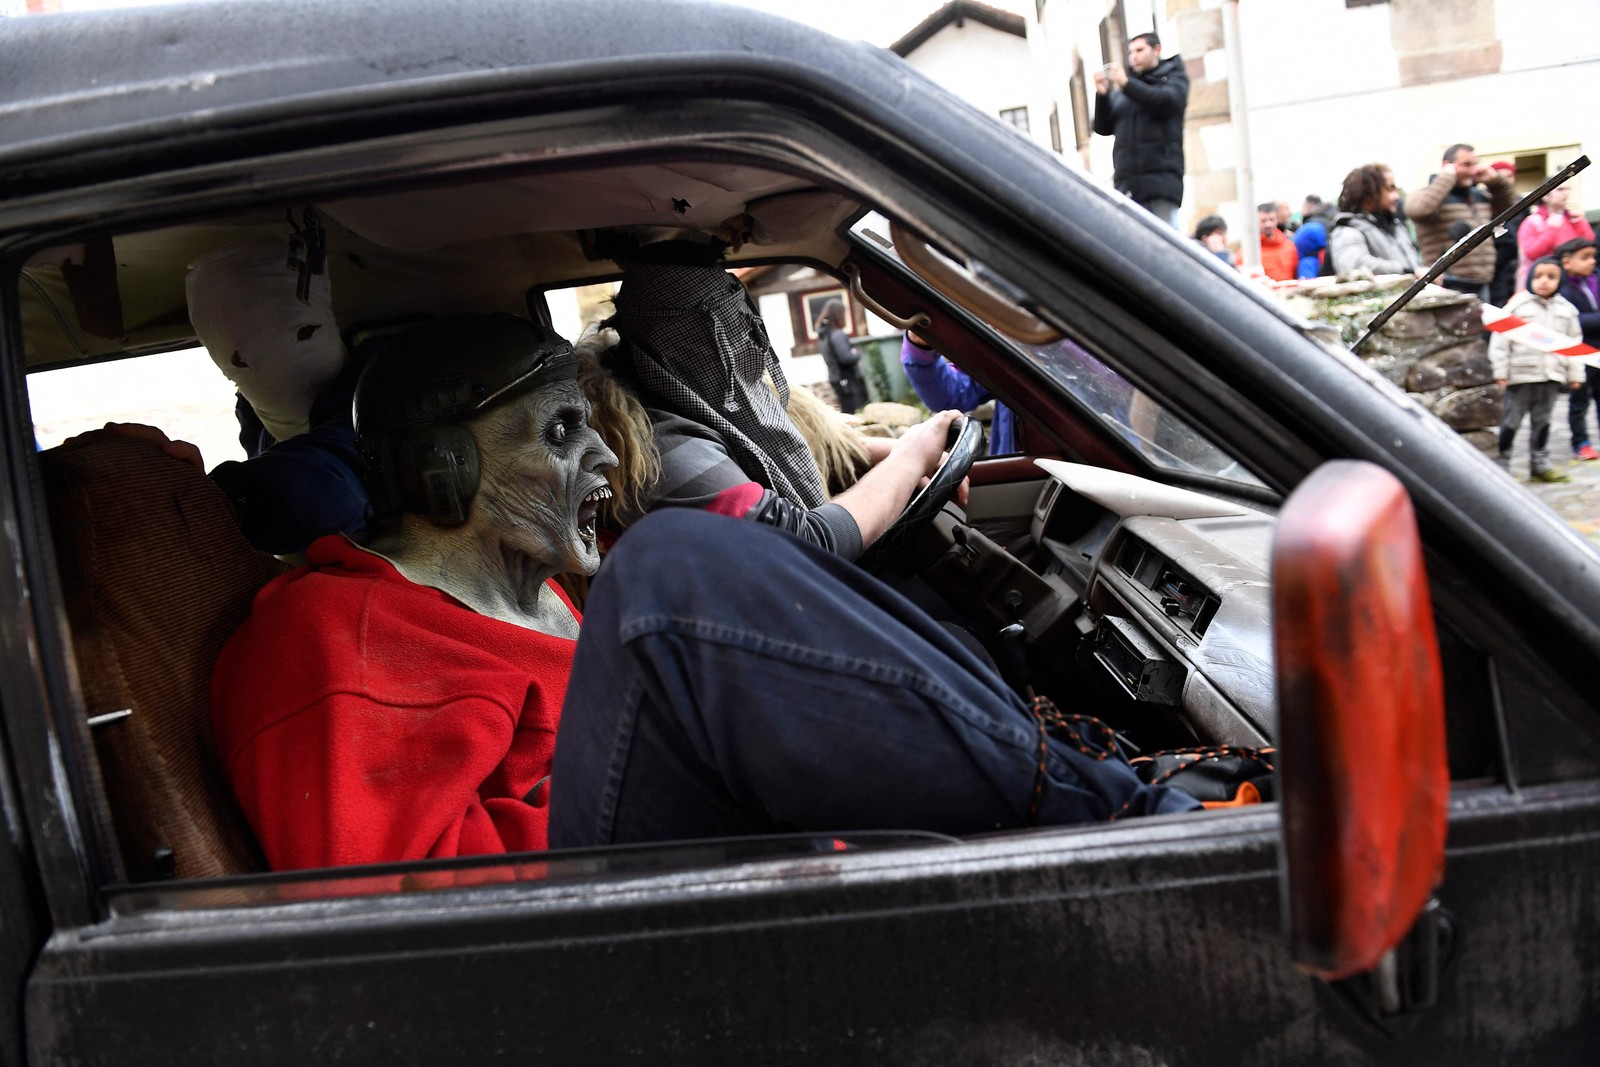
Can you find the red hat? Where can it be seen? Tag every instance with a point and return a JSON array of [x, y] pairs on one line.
[[1502, 165]]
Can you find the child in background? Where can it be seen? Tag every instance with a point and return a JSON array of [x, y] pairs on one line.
[[1533, 378], [1578, 288]]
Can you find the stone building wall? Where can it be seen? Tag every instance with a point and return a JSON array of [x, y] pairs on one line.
[[1208, 136]]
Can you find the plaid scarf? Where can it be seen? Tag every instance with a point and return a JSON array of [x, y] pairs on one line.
[[698, 348]]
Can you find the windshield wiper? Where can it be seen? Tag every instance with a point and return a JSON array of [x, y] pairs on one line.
[[1467, 244]]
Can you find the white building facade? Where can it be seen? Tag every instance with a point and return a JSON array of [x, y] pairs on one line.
[[981, 53], [1401, 81], [1333, 84]]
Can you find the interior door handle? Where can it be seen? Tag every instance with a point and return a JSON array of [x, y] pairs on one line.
[[972, 294], [852, 274]]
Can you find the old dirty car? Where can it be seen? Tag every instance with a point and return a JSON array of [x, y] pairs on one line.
[[472, 158]]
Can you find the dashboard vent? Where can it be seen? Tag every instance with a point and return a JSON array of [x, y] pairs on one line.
[[1130, 557]]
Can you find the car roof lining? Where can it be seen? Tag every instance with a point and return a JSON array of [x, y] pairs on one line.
[[431, 248]]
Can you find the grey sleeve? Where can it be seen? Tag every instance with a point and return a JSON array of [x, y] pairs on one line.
[[698, 472], [1350, 252], [829, 526]]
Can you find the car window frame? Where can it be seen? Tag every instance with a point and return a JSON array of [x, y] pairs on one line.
[[79, 872]]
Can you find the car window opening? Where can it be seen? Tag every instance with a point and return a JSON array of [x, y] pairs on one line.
[[1036, 576]]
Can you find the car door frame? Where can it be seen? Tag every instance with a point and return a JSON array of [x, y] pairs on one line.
[[1037, 943]]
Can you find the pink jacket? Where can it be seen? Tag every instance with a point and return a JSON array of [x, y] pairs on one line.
[[1538, 237]]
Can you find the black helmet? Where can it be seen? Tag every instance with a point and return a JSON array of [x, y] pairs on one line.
[[419, 389]]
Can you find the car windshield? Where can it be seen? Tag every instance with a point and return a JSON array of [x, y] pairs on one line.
[[1162, 437]]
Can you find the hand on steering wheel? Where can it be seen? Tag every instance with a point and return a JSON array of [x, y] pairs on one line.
[[963, 445]]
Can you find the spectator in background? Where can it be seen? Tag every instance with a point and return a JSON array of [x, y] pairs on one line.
[[1464, 194], [833, 341], [1143, 108], [1507, 272], [1288, 221], [941, 384], [1311, 239], [1212, 232], [1367, 233], [1580, 289], [1547, 227], [1279, 257]]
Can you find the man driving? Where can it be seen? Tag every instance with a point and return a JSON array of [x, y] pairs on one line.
[[425, 694], [697, 354]]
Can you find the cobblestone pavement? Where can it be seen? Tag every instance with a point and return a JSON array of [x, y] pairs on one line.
[[1577, 501]]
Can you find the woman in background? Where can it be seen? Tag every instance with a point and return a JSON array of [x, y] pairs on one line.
[[833, 341], [1367, 233]]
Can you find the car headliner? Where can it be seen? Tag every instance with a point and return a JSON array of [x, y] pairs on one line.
[[476, 245], [86, 82]]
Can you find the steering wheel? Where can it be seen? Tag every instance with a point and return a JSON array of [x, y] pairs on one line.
[[962, 448]]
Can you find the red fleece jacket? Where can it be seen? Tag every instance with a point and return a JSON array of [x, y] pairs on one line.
[[364, 719], [1280, 259]]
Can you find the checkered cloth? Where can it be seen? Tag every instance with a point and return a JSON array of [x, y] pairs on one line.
[[698, 348]]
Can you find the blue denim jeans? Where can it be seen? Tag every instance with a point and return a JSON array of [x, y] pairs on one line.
[[731, 679], [1165, 210], [1578, 407]]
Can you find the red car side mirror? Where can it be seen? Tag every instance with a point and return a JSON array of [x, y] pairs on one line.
[[1364, 775]]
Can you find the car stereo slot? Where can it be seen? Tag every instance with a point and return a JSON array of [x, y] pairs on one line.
[[1137, 665]]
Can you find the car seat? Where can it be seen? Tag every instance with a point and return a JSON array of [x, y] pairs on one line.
[[154, 576]]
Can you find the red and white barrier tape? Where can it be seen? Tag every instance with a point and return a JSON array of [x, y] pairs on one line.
[[1499, 320]]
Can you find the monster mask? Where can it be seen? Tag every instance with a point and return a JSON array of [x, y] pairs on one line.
[[543, 475], [477, 423]]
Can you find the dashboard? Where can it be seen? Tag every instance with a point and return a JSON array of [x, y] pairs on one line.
[[1152, 604], [1173, 590]]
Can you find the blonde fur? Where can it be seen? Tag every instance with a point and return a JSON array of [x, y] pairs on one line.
[[837, 448], [622, 423]]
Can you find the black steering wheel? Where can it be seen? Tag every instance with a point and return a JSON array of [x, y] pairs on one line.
[[962, 447]]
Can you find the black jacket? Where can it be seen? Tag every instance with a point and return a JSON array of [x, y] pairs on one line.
[[1146, 116], [837, 352], [1505, 261], [1588, 311]]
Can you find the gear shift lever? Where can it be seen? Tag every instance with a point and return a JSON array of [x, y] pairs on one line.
[[1013, 654]]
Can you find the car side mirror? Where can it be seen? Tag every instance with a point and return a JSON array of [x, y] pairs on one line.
[[1364, 775]]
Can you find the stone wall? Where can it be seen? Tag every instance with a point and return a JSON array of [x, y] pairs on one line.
[[1435, 348], [1437, 40]]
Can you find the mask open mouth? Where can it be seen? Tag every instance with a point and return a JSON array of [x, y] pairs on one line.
[[589, 512]]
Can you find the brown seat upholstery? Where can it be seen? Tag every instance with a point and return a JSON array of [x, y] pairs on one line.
[[155, 575]]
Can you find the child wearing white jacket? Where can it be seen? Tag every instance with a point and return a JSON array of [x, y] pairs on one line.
[[1534, 378]]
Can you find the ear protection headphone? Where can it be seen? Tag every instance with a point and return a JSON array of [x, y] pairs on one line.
[[417, 394], [432, 470]]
